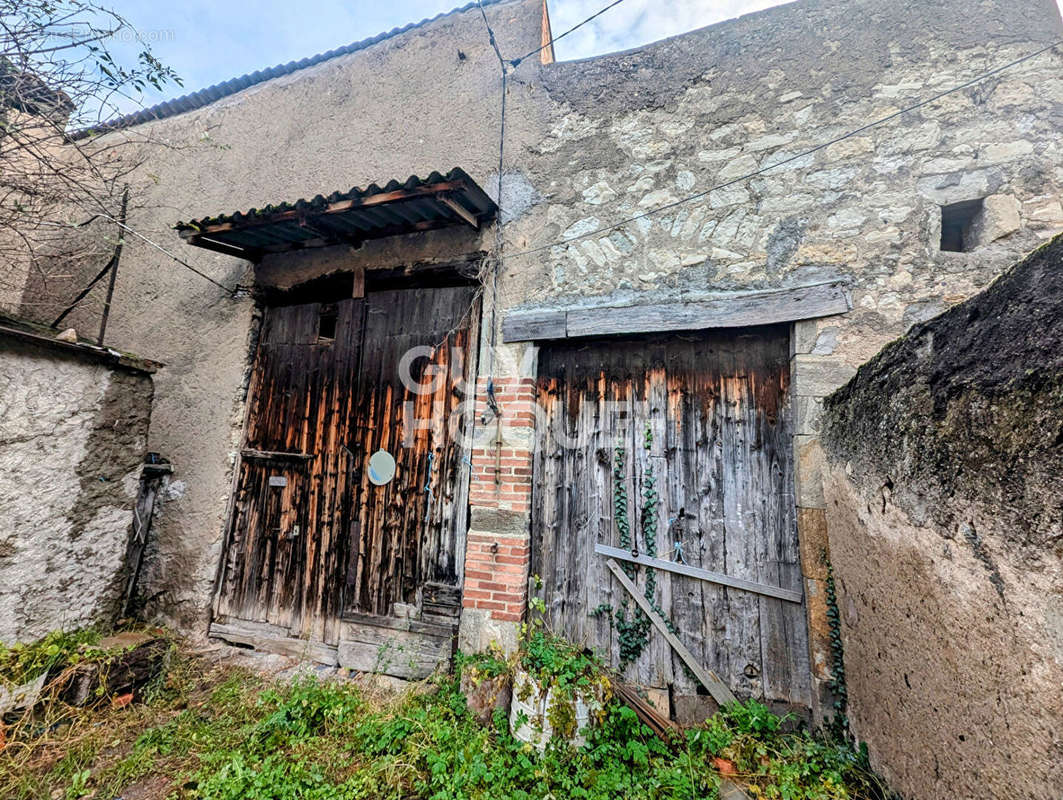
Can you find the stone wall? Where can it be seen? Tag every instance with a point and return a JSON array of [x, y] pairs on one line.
[[635, 131], [73, 432], [945, 513]]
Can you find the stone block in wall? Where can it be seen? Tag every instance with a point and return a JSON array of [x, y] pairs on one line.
[[999, 217], [1043, 211], [818, 628], [497, 520], [957, 187], [478, 631], [808, 472], [818, 376], [808, 412], [803, 336], [812, 537]]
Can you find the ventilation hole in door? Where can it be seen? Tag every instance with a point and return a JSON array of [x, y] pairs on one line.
[[326, 324]]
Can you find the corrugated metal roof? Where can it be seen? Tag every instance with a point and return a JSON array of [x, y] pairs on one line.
[[204, 97], [345, 217]]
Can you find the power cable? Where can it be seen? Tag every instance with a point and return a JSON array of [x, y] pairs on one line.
[[164, 251], [790, 159], [101, 215], [496, 265]]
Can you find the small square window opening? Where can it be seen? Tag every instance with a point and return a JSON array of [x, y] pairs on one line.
[[957, 226], [326, 324]]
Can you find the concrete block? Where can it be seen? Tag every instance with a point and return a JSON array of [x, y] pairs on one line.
[[477, 631], [818, 376]]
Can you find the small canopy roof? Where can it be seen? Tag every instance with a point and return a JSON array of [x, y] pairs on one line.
[[437, 201]]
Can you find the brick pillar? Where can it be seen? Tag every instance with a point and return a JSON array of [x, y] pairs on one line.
[[498, 549]]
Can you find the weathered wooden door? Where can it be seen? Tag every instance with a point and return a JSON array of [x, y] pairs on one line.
[[311, 536], [696, 430]]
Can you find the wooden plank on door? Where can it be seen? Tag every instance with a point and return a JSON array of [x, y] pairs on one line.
[[719, 690], [701, 574]]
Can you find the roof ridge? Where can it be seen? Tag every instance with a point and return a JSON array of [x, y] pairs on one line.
[[204, 97]]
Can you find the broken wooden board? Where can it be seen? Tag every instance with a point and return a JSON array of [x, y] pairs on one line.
[[709, 679], [137, 658], [653, 718], [273, 639], [701, 574]]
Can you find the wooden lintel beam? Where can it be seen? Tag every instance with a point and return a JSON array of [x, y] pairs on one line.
[[458, 209], [738, 310], [701, 574], [719, 690]]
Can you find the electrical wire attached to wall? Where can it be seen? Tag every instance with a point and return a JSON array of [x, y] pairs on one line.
[[495, 265], [497, 262]]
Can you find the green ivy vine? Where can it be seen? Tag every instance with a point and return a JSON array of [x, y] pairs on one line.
[[633, 630], [839, 726], [633, 626]]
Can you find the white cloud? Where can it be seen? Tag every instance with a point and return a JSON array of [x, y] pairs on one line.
[[637, 22]]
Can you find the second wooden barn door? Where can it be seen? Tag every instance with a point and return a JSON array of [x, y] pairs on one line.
[[312, 538], [689, 436]]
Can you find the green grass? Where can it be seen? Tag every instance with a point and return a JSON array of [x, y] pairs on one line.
[[223, 734]]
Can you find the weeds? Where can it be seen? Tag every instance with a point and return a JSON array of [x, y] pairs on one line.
[[223, 734], [21, 663]]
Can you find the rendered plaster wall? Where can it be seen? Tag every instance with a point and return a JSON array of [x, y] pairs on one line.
[[423, 100], [635, 131], [72, 438], [945, 515]]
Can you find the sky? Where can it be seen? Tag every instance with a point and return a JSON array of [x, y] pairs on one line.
[[207, 41]]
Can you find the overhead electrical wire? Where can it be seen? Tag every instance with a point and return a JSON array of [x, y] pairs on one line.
[[231, 290], [804, 154]]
